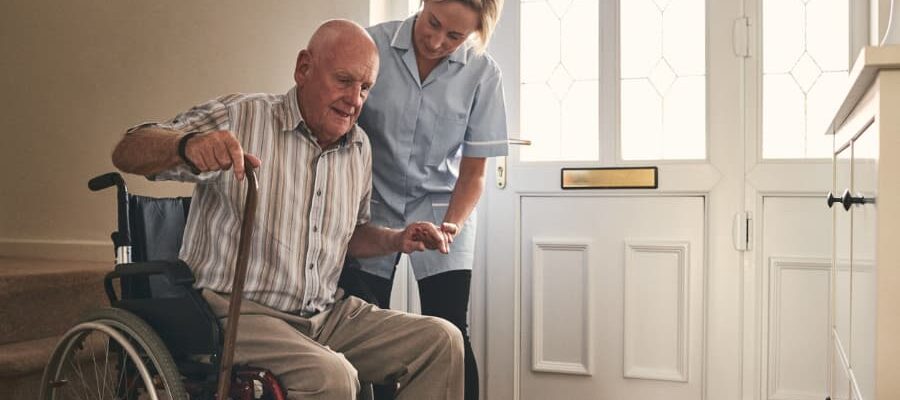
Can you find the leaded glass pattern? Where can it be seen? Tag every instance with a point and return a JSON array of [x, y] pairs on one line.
[[560, 90], [663, 79], [805, 61]]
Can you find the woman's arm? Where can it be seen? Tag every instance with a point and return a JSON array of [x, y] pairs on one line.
[[466, 193]]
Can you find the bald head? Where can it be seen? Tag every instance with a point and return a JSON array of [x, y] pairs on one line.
[[334, 75], [340, 34]]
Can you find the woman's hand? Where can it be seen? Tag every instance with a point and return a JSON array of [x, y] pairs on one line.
[[419, 236], [450, 230]]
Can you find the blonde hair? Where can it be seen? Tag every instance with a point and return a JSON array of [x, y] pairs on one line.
[[488, 14]]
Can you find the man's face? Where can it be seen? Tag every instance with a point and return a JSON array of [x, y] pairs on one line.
[[332, 88]]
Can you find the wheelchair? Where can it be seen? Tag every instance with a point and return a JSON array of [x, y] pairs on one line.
[[159, 339]]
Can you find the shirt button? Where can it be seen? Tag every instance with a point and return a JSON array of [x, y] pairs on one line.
[[319, 192], [311, 266], [315, 229]]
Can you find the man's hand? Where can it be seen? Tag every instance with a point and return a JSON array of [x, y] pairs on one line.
[[218, 151], [420, 236]]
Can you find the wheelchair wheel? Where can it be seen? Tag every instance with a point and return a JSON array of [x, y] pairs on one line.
[[111, 354]]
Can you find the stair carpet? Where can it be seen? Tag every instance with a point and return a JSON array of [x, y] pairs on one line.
[[39, 301]]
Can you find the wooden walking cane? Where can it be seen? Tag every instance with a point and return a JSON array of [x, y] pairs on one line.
[[237, 287]]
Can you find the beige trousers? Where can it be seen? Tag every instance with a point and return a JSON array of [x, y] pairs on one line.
[[327, 355]]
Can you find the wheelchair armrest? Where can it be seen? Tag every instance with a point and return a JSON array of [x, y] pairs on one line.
[[177, 273]]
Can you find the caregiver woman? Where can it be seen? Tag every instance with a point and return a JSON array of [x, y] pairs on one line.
[[434, 117]]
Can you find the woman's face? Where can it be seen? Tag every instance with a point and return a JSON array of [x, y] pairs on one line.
[[442, 27]]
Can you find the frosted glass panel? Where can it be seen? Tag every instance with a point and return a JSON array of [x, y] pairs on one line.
[[821, 103], [805, 63], [582, 139], [560, 96], [663, 79], [641, 119], [684, 122], [640, 37], [784, 116], [541, 115], [540, 41]]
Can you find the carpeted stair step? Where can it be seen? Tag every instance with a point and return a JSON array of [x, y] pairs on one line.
[[21, 367], [39, 301], [44, 298], [24, 358]]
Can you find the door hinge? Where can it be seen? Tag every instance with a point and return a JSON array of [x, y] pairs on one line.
[[740, 37], [742, 231]]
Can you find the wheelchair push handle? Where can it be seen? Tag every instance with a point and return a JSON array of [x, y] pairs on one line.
[[106, 180], [121, 238], [237, 286]]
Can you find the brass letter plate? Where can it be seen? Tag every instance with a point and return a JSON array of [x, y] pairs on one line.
[[610, 178]]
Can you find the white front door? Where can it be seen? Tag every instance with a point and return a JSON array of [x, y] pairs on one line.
[[644, 293], [615, 294]]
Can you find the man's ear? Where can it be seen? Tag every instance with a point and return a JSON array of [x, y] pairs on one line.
[[304, 65]]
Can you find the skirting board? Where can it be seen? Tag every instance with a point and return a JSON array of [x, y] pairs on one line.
[[84, 250]]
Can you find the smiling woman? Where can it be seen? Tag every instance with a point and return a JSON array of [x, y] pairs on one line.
[[434, 117]]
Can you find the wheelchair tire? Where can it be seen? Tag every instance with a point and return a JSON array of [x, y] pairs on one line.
[[111, 354]]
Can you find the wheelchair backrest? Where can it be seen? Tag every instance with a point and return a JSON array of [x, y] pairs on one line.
[[157, 227]]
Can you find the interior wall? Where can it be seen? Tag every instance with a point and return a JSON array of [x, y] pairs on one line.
[[75, 75]]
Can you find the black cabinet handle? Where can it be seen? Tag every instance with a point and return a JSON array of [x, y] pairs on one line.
[[831, 199], [848, 200]]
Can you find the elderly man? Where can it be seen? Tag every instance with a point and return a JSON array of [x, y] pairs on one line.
[[315, 185]]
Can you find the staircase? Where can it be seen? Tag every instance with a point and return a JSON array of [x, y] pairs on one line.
[[39, 301]]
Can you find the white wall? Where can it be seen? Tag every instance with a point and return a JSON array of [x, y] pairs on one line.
[[75, 75]]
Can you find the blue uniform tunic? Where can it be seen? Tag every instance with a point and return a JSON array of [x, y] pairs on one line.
[[419, 133]]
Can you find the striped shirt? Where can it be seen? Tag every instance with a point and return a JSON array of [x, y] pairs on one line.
[[310, 201]]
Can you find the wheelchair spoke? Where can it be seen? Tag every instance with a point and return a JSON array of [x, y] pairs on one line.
[[96, 373], [105, 378], [128, 362], [103, 388], [76, 368], [120, 383]]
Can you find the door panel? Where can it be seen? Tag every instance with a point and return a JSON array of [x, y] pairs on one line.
[[862, 305], [842, 229], [840, 380], [796, 249], [613, 294]]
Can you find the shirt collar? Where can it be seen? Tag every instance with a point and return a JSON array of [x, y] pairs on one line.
[[290, 116], [291, 119], [402, 40]]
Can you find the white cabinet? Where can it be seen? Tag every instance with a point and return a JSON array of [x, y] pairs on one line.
[[864, 362]]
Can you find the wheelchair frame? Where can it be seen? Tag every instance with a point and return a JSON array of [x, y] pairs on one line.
[[128, 342]]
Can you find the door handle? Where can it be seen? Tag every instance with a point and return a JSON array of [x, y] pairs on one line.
[[831, 199], [501, 162], [848, 200]]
